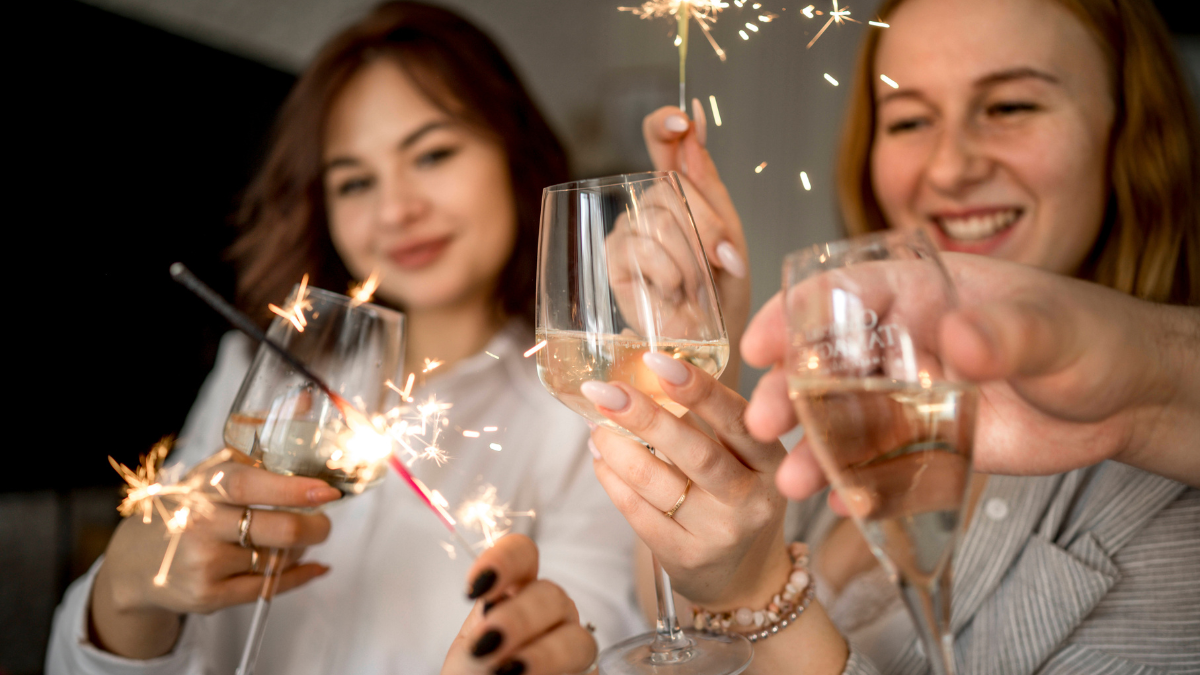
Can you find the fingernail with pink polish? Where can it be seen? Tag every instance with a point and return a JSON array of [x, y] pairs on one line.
[[701, 122], [594, 450], [676, 123], [665, 367], [731, 260], [604, 395], [322, 494]]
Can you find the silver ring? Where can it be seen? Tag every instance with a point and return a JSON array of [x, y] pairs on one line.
[[254, 561], [244, 528]]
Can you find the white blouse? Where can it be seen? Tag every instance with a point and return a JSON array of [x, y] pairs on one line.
[[394, 599]]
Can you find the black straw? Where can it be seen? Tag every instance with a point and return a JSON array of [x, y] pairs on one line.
[[180, 273]]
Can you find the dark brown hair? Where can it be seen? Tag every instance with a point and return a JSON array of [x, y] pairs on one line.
[[461, 70], [1150, 242]]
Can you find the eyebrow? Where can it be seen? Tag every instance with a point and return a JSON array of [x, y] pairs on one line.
[[408, 141], [989, 80]]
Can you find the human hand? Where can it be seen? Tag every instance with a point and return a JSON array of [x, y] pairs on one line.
[[724, 545], [132, 616], [1072, 373], [520, 624], [678, 144]]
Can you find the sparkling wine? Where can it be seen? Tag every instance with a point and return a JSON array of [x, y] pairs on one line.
[[900, 456], [571, 358]]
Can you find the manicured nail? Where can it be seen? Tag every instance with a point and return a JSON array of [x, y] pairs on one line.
[[325, 493], [487, 643], [511, 668], [595, 451], [858, 501], [604, 395], [731, 260], [701, 122], [676, 123], [665, 367], [482, 584]]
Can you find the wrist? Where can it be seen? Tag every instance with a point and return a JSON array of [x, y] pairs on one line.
[[758, 622], [119, 625]]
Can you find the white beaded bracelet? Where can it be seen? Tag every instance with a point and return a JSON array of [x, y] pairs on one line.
[[784, 608]]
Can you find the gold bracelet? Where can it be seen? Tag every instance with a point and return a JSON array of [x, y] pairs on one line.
[[783, 610]]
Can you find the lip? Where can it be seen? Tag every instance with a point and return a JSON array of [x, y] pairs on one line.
[[420, 253], [984, 246]]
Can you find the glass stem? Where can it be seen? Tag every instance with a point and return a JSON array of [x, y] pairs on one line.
[[670, 644], [930, 610], [258, 624]]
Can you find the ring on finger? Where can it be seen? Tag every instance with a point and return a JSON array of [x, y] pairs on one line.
[[679, 502], [254, 558], [244, 528]]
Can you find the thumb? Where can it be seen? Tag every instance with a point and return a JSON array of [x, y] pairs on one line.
[[1009, 339]]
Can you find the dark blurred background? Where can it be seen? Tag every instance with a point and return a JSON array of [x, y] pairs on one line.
[[139, 122]]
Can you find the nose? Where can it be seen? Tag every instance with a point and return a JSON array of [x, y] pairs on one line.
[[957, 163], [401, 203]]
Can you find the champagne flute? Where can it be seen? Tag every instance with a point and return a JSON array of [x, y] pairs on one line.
[[888, 426], [621, 272], [289, 426]]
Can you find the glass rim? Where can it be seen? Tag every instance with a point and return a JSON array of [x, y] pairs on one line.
[[341, 299], [609, 181], [839, 246]]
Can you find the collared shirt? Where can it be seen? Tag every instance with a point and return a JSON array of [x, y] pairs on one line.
[[1093, 571], [394, 600]]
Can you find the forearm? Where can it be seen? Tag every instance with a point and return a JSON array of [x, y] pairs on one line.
[[129, 632], [1166, 438]]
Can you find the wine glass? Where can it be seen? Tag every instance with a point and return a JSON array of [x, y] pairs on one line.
[[886, 422], [621, 272], [289, 426]]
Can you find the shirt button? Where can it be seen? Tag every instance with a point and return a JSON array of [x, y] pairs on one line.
[[996, 508]]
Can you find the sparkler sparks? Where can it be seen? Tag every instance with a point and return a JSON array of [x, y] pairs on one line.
[[535, 349], [760, 167], [889, 81], [831, 80], [804, 180], [492, 520], [878, 24], [836, 16], [360, 293], [294, 312], [703, 11], [712, 101], [431, 364]]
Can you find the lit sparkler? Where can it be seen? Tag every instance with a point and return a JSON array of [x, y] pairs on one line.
[[703, 11], [492, 520], [294, 312], [360, 293], [431, 364], [836, 16]]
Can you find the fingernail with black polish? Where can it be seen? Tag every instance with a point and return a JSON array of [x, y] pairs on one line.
[[511, 668], [487, 644], [482, 584]]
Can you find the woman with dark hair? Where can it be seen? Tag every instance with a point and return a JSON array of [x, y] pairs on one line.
[[410, 149]]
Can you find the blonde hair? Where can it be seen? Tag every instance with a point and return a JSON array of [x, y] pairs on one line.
[[1149, 245]]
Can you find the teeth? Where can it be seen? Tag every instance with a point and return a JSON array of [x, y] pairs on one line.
[[978, 227]]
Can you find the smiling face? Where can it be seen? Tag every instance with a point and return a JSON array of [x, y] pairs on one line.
[[414, 194], [996, 140]]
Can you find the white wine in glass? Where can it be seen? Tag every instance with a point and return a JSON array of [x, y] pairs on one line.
[[621, 272], [888, 428]]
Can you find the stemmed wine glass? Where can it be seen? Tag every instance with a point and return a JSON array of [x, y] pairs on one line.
[[621, 272], [886, 422], [289, 426]]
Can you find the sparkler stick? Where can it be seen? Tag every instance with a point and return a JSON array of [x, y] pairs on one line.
[[703, 11]]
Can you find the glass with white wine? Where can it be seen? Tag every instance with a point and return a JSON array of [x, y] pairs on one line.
[[888, 426], [621, 272], [289, 426]]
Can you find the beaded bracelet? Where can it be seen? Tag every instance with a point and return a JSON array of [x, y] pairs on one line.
[[784, 608]]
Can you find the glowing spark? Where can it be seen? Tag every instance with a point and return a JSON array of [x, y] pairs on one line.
[[490, 428], [490, 519], [363, 292], [760, 167], [890, 82], [878, 24], [743, 34], [408, 386], [752, 27], [535, 349], [836, 16], [492, 355], [814, 362], [471, 434], [431, 364], [756, 6], [495, 446], [765, 18], [294, 312], [712, 101], [807, 11], [804, 180], [704, 12], [678, 40], [831, 80]]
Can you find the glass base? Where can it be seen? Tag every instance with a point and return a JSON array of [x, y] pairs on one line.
[[708, 655]]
